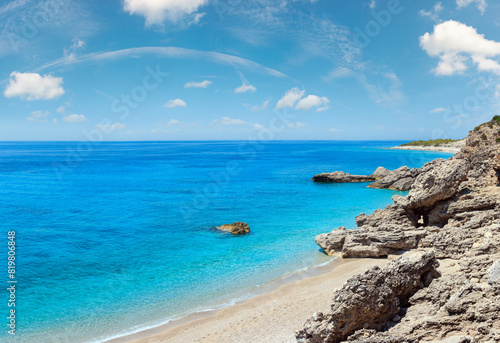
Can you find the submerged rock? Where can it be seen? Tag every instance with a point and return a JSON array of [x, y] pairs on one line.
[[237, 228]]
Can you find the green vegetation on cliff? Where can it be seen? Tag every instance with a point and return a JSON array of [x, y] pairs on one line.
[[431, 142]]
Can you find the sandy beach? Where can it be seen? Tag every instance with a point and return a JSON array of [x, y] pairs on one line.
[[270, 317], [452, 147]]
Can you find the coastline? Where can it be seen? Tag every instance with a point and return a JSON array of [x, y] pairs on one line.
[[451, 150], [275, 311]]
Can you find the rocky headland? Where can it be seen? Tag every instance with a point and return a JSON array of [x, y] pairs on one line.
[[399, 179], [446, 285]]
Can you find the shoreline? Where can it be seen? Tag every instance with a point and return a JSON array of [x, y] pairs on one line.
[[450, 150], [284, 303]]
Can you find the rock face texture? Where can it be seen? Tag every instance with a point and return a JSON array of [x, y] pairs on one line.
[[453, 210], [400, 179], [369, 300], [237, 228]]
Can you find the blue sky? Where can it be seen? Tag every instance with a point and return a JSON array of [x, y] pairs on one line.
[[229, 69]]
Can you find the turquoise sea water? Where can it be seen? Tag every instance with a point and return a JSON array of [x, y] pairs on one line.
[[116, 237]]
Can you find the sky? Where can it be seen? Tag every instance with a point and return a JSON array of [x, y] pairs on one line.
[[127, 70]]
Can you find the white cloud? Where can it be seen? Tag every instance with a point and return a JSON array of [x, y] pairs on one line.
[[456, 44], [311, 101], [74, 118], [54, 121], [372, 4], [61, 109], [40, 116], [157, 11], [245, 88], [258, 127], [175, 103], [434, 13], [439, 110], [110, 127], [480, 4], [168, 52], [334, 130], [203, 84], [33, 86], [290, 98], [262, 107], [296, 125], [173, 122], [226, 121]]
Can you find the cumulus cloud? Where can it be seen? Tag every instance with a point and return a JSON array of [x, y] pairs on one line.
[[33, 86], [40, 116], [439, 110], [175, 103], [245, 88], [157, 11], [480, 4], [226, 121], [74, 118], [290, 98], [202, 84], [457, 45], [311, 101], [110, 127]]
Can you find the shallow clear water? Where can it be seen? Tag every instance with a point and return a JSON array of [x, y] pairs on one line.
[[121, 237]]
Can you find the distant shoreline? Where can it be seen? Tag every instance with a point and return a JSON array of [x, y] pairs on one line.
[[451, 147]]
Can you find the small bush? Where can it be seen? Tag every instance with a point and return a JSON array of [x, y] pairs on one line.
[[484, 137], [496, 118], [477, 128], [498, 139]]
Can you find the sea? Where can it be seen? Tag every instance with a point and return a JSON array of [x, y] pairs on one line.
[[112, 238]]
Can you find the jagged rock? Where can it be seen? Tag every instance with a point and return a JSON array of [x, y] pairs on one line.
[[438, 180], [341, 177], [332, 242], [380, 173], [237, 228], [453, 208], [400, 179], [370, 300], [362, 243], [494, 272]]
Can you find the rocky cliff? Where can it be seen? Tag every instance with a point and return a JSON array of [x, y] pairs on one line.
[[451, 213]]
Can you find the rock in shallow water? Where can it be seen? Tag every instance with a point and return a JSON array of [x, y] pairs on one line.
[[237, 228]]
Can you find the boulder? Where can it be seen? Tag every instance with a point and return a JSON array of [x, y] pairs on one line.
[[237, 228], [494, 273], [380, 173], [332, 242], [437, 180], [370, 300]]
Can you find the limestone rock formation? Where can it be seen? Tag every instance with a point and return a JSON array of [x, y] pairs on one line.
[[369, 300], [237, 228], [341, 177], [399, 179], [453, 209]]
